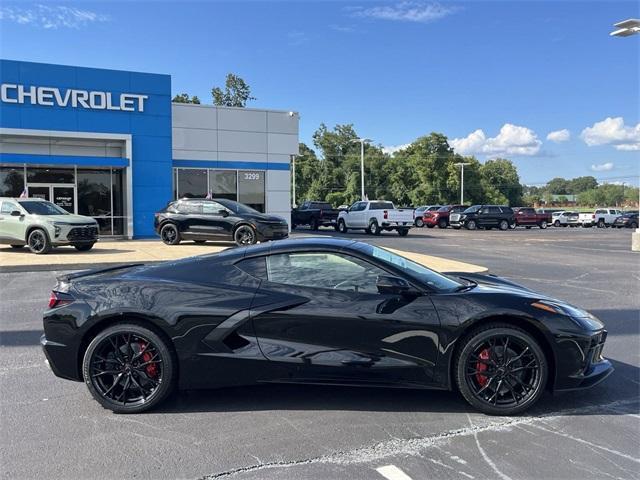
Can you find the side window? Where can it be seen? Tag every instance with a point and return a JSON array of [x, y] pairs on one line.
[[8, 207], [190, 207], [304, 206], [492, 210], [256, 267], [323, 270], [212, 208]]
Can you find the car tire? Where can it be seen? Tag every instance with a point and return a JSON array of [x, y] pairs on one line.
[[84, 248], [38, 242], [471, 225], [17, 247], [169, 234], [313, 224], [513, 226], [403, 232], [601, 223], [524, 382], [442, 223], [244, 235], [633, 225], [556, 223], [132, 364], [504, 225], [374, 228], [342, 226], [543, 225], [419, 223]]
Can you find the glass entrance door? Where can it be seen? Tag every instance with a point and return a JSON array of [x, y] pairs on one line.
[[63, 195]]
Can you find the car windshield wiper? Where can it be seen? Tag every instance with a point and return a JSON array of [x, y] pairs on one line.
[[468, 286]]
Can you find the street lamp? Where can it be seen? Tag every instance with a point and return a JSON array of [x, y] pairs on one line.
[[461, 165], [362, 142], [626, 28]]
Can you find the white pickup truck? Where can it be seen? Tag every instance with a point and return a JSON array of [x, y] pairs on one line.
[[602, 217], [375, 216]]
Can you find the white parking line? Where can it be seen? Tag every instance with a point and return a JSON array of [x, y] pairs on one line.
[[392, 473]]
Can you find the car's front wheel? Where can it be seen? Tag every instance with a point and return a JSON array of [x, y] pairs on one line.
[[84, 248], [471, 225], [500, 369], [342, 227], [442, 223], [556, 223], [129, 368], [39, 242], [419, 222], [170, 234], [244, 235], [504, 225]]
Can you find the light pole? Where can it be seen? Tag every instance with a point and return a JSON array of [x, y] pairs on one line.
[[461, 165], [362, 142]]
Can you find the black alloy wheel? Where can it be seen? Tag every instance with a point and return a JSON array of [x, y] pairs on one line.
[[501, 370], [419, 222], [38, 242], [244, 235], [128, 368], [374, 228], [504, 225], [342, 227], [170, 235], [442, 223], [471, 225], [84, 248]]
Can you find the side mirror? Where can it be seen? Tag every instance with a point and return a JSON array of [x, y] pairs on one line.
[[16, 213], [394, 285], [223, 212]]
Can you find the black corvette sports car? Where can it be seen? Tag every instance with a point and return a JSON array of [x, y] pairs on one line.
[[315, 311], [201, 219]]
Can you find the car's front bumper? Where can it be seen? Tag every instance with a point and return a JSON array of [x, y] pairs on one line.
[[74, 234], [272, 232]]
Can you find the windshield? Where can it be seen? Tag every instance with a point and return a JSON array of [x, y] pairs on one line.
[[43, 208], [413, 269], [472, 209], [237, 207], [444, 209]]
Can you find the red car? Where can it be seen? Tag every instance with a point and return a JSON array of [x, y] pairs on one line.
[[440, 217], [528, 217]]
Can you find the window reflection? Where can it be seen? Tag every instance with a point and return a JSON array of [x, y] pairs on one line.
[[11, 181]]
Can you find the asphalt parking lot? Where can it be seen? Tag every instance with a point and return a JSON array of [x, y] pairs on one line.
[[52, 429]]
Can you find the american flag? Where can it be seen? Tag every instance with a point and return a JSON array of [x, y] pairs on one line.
[[24, 193]]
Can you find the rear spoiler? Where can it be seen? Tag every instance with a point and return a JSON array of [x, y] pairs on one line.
[[87, 273]]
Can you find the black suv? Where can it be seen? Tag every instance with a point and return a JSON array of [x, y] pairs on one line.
[[200, 219], [487, 216]]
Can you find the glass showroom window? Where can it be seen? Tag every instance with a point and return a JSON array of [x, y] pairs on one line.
[[94, 197], [223, 184], [50, 175], [251, 189], [11, 181], [192, 183]]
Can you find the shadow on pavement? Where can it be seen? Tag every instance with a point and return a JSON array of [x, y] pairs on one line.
[[20, 338]]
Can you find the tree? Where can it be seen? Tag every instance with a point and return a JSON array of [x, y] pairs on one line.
[[558, 186], [581, 184], [501, 182], [185, 98], [236, 92]]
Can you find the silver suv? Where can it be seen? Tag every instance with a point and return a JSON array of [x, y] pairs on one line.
[[42, 225]]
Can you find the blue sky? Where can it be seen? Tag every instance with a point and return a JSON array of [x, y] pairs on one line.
[[496, 77]]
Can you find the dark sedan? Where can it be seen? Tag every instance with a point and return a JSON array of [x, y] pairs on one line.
[[200, 219], [627, 220], [315, 311]]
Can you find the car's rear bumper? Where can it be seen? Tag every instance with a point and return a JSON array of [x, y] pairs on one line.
[[60, 359]]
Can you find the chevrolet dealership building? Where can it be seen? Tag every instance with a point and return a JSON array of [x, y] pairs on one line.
[[110, 145]]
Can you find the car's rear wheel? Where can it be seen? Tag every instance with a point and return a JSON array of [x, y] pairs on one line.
[[471, 225], [374, 228], [403, 232], [504, 225], [543, 224], [17, 247], [244, 235], [342, 227], [601, 223], [633, 225], [84, 248], [442, 223], [170, 234], [556, 223], [39, 242], [128, 368], [500, 369], [419, 223]]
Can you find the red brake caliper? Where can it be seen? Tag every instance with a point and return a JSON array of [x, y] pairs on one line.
[[152, 368], [481, 367]]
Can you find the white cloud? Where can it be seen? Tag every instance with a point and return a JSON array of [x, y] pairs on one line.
[[558, 136], [613, 131], [51, 17], [408, 11], [602, 167], [391, 149], [512, 140]]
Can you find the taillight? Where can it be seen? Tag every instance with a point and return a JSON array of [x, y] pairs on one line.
[[385, 215], [593, 216], [57, 299]]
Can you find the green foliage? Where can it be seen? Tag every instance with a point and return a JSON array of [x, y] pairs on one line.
[[236, 92], [501, 182], [185, 98]]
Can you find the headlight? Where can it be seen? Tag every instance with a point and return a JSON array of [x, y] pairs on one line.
[[581, 317]]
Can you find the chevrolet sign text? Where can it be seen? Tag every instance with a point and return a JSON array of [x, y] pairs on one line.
[[51, 96]]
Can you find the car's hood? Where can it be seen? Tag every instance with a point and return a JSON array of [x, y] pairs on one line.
[[492, 284], [72, 219]]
